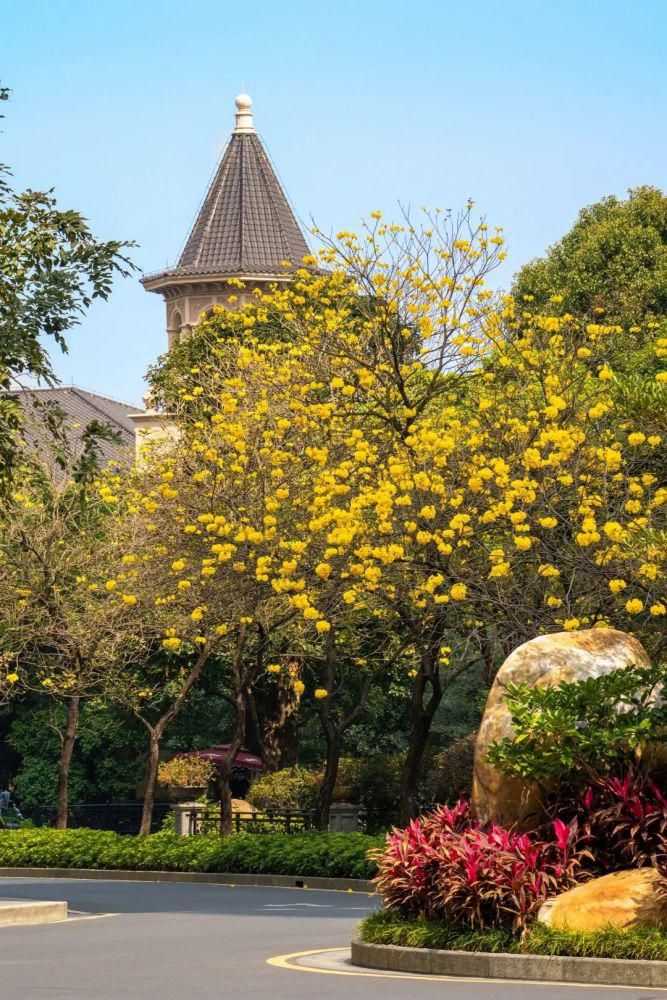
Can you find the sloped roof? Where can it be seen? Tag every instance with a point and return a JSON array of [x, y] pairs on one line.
[[80, 407], [246, 225]]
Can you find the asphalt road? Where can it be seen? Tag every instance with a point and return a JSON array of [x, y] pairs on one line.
[[211, 942]]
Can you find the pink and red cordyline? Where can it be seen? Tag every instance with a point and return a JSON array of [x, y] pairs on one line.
[[445, 866]]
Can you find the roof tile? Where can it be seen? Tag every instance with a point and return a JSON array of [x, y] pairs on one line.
[[80, 407], [246, 225]]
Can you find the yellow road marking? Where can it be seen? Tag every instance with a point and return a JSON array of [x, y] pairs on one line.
[[285, 962]]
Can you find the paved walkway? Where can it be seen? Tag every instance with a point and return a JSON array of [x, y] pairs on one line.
[[156, 941]]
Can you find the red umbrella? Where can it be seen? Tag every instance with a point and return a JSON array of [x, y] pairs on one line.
[[216, 754]]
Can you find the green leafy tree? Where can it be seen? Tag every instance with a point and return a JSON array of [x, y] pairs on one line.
[[106, 759], [612, 261], [51, 269]]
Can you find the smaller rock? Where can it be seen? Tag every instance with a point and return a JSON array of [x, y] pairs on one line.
[[634, 898]]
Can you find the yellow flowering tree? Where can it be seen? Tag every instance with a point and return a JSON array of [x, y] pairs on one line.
[[225, 546], [472, 478], [185, 602]]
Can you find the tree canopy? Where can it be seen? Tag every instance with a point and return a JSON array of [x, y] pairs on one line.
[[612, 262], [51, 269], [379, 475]]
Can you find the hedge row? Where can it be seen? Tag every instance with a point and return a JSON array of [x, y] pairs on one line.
[[334, 855], [386, 927]]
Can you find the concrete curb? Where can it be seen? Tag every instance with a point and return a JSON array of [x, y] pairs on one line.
[[213, 878], [14, 912], [483, 965]]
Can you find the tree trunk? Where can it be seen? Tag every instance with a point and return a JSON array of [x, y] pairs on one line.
[[325, 794], [225, 799], [281, 730], [157, 732], [408, 799], [65, 761], [151, 781], [421, 717], [225, 769]]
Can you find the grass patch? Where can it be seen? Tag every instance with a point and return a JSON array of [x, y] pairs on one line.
[[649, 943], [332, 855], [386, 927]]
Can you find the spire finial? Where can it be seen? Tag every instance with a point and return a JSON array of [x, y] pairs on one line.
[[244, 114]]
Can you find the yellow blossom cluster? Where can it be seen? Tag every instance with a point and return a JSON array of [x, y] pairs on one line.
[[391, 441]]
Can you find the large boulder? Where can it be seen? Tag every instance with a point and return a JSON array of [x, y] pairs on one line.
[[546, 661], [633, 898]]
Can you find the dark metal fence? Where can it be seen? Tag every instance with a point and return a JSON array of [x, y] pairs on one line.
[[121, 817], [290, 821]]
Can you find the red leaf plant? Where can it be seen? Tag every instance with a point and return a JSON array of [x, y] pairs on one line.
[[445, 867], [624, 821]]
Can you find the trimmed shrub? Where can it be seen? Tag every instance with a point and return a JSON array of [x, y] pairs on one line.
[[186, 771], [334, 855], [290, 788]]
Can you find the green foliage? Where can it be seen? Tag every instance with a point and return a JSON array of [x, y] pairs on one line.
[[12, 819], [582, 730], [388, 927], [289, 788], [643, 401], [335, 855], [646, 943], [107, 757], [451, 771], [641, 943], [51, 269], [613, 259], [187, 772], [172, 370], [376, 786], [109, 753], [372, 782]]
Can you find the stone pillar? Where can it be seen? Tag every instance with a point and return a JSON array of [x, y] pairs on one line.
[[187, 817], [343, 817]]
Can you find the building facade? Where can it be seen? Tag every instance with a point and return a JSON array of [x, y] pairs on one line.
[[245, 230]]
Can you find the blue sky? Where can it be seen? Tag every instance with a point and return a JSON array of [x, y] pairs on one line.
[[533, 109]]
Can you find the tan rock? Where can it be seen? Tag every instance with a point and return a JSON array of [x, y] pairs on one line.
[[545, 661], [241, 806], [623, 899]]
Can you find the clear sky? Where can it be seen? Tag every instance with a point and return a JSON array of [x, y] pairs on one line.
[[533, 108]]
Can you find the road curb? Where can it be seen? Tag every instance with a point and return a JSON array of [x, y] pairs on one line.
[[13, 912], [213, 878], [536, 968]]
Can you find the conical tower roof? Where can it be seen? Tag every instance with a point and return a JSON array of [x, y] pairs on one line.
[[246, 225]]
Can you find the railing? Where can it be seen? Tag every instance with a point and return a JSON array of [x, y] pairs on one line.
[[121, 817], [207, 820]]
